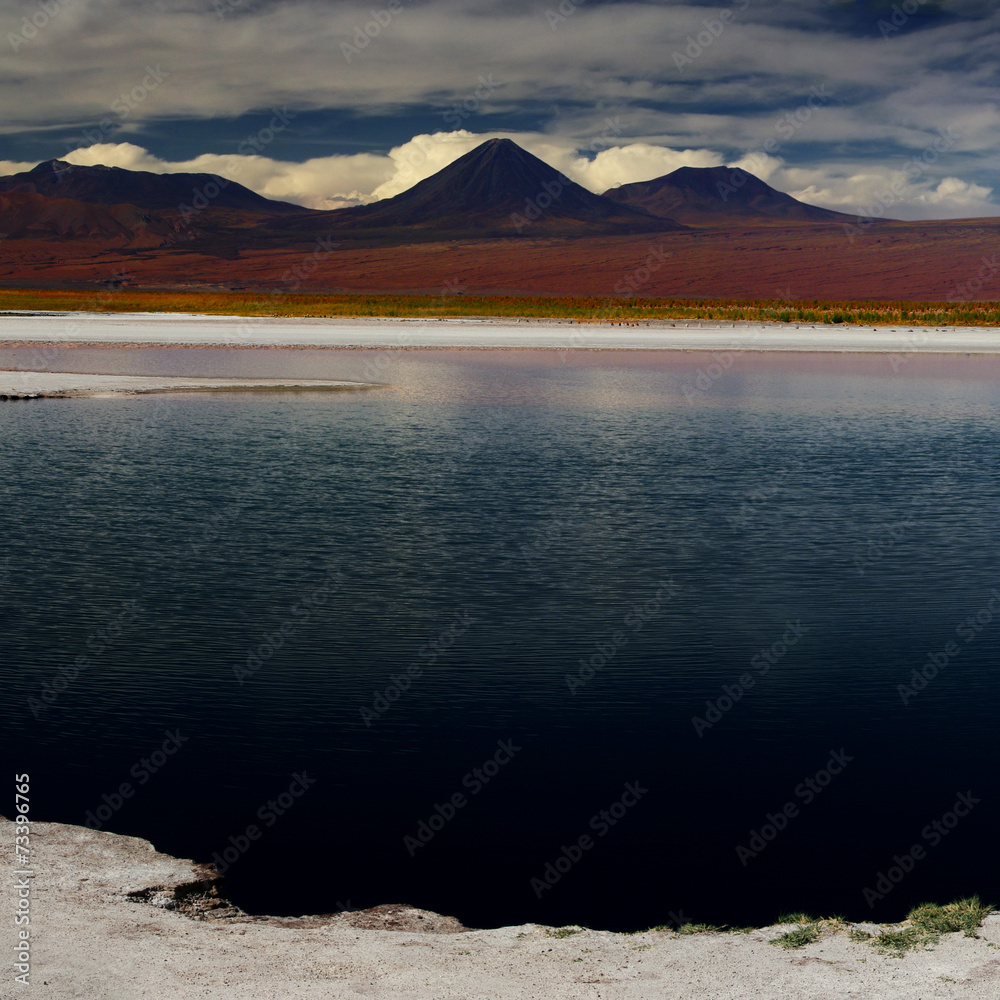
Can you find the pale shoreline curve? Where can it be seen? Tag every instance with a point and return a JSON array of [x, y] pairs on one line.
[[112, 918], [186, 330], [18, 385]]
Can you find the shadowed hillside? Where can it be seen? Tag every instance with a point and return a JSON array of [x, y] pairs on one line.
[[497, 188], [719, 196], [153, 192]]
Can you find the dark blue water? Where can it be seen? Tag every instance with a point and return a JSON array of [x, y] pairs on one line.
[[565, 558]]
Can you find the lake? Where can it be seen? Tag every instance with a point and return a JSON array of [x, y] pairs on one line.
[[617, 638]]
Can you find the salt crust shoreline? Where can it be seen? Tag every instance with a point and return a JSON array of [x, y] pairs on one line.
[[19, 385], [185, 330], [113, 919]]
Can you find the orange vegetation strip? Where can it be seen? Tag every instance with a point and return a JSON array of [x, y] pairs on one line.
[[582, 309]]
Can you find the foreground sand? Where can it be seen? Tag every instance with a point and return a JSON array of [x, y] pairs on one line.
[[112, 919], [15, 385], [234, 331]]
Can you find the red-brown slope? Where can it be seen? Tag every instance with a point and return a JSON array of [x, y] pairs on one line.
[[902, 261], [28, 215]]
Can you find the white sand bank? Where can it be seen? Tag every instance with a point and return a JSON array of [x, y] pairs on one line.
[[111, 919], [230, 331], [31, 385]]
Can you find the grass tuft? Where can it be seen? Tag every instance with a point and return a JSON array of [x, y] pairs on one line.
[[897, 941], [798, 938], [963, 915], [924, 926], [563, 932], [926, 923]]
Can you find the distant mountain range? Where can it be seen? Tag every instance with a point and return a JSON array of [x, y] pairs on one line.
[[719, 196], [151, 192], [496, 221], [497, 189]]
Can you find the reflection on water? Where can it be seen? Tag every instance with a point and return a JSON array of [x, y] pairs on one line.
[[668, 603]]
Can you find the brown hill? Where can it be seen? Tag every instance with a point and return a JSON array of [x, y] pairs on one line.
[[151, 192], [720, 196], [925, 261], [24, 214]]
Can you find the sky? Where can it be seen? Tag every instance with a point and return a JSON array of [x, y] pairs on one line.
[[864, 106]]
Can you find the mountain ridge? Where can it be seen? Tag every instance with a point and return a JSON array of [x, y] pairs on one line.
[[101, 185], [713, 196]]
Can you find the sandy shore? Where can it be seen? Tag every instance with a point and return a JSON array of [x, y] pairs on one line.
[[229, 331], [16, 385], [112, 919]]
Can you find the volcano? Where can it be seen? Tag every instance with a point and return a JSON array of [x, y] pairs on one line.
[[147, 191], [500, 188], [720, 196]]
